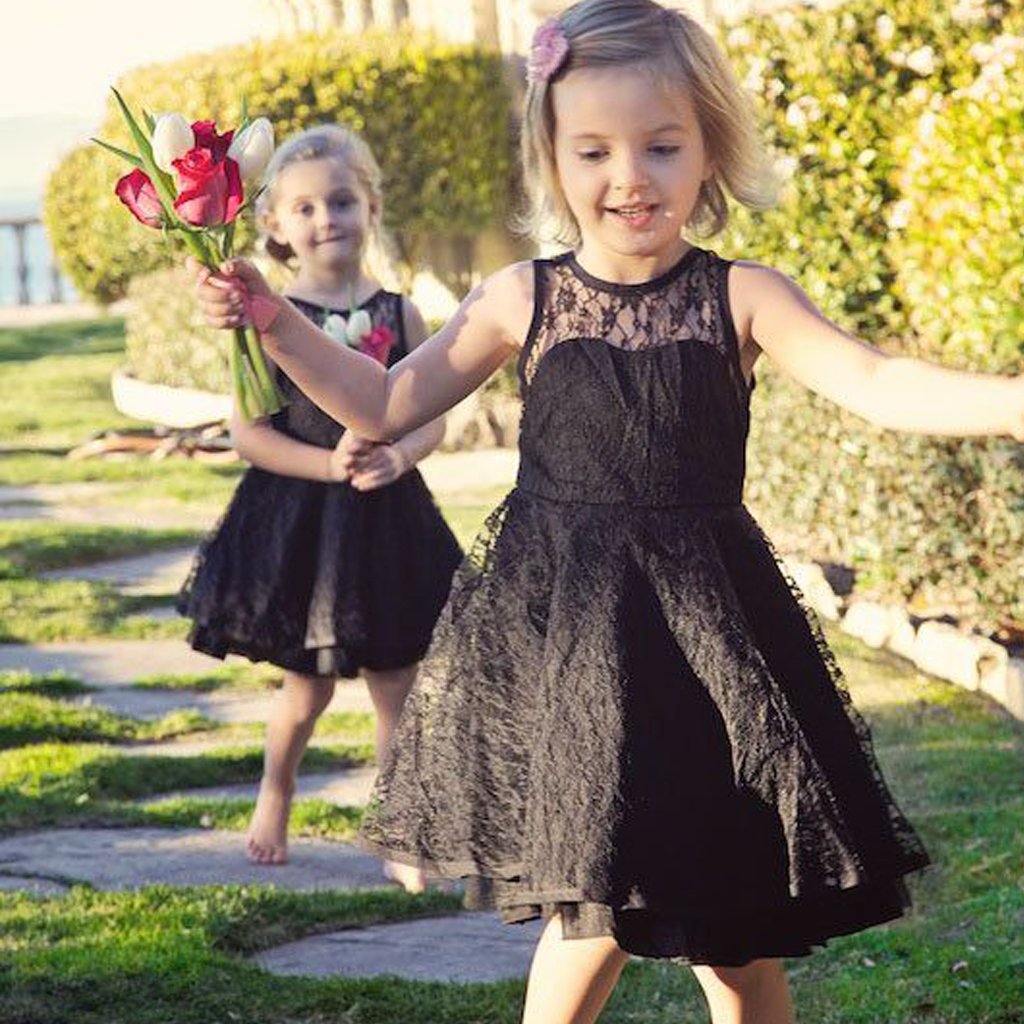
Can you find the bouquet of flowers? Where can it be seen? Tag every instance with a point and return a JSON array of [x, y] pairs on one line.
[[192, 180]]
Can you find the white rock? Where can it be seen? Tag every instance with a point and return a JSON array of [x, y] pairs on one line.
[[872, 622], [814, 585], [946, 652], [1005, 684]]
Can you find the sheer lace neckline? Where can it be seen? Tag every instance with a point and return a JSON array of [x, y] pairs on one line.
[[640, 287]]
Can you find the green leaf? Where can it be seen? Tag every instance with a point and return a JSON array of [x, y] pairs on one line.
[[150, 120], [124, 154]]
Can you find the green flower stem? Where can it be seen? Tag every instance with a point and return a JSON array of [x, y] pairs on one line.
[[238, 381], [272, 399]]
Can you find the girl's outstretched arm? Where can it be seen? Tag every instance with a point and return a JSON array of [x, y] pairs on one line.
[[892, 391], [380, 404]]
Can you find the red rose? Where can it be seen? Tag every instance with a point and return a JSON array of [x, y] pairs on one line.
[[377, 344], [207, 138], [136, 191], [210, 190]]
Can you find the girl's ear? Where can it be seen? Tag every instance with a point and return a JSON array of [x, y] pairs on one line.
[[272, 226]]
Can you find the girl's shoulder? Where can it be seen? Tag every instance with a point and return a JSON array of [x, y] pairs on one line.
[[507, 299]]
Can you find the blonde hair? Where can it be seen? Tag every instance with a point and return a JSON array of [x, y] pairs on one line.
[[679, 52], [320, 143]]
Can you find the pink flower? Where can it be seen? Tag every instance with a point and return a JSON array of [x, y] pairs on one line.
[[137, 192], [377, 344], [548, 52]]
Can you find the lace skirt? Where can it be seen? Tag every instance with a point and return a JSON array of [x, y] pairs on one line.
[[627, 716]]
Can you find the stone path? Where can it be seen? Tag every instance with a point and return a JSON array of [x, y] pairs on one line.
[[469, 947], [347, 788], [465, 948]]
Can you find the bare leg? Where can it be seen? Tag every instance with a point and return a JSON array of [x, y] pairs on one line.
[[297, 705], [571, 979], [388, 691], [756, 993]]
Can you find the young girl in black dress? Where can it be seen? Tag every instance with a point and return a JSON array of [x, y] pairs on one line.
[[626, 723], [332, 559]]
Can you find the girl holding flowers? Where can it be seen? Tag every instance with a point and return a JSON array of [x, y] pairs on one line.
[[626, 723], [332, 558]]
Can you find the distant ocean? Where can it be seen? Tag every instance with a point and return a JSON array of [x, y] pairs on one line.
[[18, 204]]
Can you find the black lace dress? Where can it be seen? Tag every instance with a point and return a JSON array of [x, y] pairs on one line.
[[626, 714], [318, 577]]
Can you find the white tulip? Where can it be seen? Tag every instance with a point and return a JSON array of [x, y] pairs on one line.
[[252, 148], [172, 139], [359, 325], [336, 327]]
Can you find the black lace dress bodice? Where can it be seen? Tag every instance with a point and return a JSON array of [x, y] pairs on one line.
[[317, 577], [627, 715]]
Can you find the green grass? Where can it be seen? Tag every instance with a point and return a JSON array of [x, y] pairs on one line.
[[60, 784], [34, 718], [230, 677], [465, 521], [56, 382], [30, 546], [38, 611], [68, 337], [51, 684], [953, 759]]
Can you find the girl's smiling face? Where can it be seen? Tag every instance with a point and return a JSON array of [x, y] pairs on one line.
[[631, 160], [322, 211]]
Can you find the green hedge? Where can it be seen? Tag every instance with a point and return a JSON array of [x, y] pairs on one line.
[[166, 341], [436, 115], [935, 521]]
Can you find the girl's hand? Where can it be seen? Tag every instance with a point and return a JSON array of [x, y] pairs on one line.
[[348, 455], [379, 467], [222, 295]]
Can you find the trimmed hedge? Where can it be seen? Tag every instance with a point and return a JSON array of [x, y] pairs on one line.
[[934, 521], [414, 100]]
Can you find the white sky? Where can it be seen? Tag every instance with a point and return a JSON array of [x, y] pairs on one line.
[[58, 59]]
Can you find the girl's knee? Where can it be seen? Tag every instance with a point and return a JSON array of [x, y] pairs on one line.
[[749, 978], [307, 696]]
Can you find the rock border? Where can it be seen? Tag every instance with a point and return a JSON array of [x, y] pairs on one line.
[[939, 648]]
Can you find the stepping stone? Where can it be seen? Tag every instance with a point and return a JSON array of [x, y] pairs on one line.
[[227, 708], [29, 883], [132, 857], [462, 948], [108, 663], [114, 665], [159, 572], [347, 787]]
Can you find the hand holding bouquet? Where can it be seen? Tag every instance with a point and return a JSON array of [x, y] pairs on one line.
[[190, 179]]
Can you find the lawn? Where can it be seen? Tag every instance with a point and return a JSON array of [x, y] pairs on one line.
[[178, 956], [954, 760]]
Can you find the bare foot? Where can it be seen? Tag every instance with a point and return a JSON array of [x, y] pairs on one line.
[[410, 879], [267, 841]]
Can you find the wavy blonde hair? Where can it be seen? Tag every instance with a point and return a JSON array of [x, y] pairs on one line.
[[322, 142], [677, 52]]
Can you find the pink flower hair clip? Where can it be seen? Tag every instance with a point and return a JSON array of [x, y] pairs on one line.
[[548, 52]]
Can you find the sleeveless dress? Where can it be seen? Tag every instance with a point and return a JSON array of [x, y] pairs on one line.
[[627, 715], [317, 577]]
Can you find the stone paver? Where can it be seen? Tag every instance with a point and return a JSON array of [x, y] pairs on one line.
[[347, 787], [463, 948], [132, 857], [225, 707], [28, 883], [159, 572], [108, 663]]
